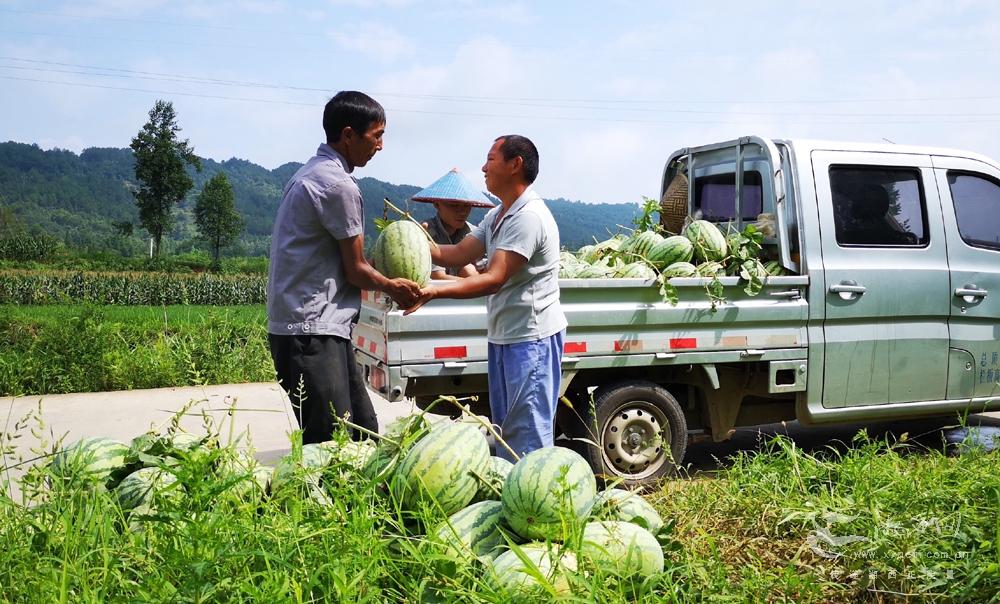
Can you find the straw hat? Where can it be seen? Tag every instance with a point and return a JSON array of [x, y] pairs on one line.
[[454, 187], [674, 205]]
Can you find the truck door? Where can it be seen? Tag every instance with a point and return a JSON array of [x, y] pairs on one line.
[[970, 194], [885, 262]]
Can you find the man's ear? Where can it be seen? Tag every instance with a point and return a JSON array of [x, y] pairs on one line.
[[516, 164], [347, 133]]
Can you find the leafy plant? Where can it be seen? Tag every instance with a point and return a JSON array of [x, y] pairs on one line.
[[645, 221]]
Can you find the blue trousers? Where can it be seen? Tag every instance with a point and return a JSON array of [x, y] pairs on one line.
[[524, 391]]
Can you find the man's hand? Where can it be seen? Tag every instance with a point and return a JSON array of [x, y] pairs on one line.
[[405, 292], [426, 295]]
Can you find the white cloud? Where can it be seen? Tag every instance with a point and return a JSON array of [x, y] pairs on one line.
[[508, 13], [261, 7], [588, 163], [372, 4], [376, 40], [113, 8]]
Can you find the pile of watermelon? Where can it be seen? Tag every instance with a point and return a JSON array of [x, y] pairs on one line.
[[530, 526], [701, 250]]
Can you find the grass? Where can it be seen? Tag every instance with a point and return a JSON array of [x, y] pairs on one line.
[[86, 348], [878, 521]]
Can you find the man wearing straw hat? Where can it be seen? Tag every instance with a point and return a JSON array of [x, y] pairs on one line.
[[453, 196], [317, 269], [525, 323]]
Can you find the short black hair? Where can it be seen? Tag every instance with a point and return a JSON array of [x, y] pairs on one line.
[[350, 108], [515, 145]]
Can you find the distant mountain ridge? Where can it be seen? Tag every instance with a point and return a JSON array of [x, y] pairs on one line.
[[80, 198]]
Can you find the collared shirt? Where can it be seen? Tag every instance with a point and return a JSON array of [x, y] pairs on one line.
[[307, 288], [527, 306], [439, 233]]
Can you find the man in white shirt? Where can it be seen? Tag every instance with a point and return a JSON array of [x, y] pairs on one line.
[[525, 323]]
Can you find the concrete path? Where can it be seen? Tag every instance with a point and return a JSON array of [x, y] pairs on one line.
[[257, 415], [260, 416]]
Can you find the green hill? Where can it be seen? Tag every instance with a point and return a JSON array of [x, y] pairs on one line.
[[85, 201]]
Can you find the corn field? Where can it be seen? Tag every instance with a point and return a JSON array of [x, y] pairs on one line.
[[130, 288]]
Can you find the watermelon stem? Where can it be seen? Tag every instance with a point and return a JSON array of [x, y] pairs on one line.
[[485, 481], [411, 219], [485, 424], [364, 430]]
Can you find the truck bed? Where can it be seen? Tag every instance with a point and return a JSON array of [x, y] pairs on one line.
[[611, 323]]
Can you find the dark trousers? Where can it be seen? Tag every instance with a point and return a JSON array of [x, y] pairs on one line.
[[320, 375]]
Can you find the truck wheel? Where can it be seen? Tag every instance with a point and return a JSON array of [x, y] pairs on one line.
[[642, 432]]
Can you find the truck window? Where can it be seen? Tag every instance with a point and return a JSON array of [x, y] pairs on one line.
[[977, 208], [874, 206], [715, 196]]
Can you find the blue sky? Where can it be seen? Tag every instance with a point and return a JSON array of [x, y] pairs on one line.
[[606, 89]]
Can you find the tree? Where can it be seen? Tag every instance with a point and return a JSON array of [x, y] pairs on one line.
[[160, 160], [123, 228], [216, 216], [10, 225]]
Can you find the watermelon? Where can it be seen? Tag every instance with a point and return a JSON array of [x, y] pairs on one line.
[[408, 427], [619, 504], [138, 488], [680, 269], [442, 468], [519, 579], [473, 530], [602, 249], [594, 271], [250, 480], [621, 548], [570, 271], [635, 270], [676, 248], [183, 441], [402, 250], [710, 269], [499, 470], [584, 251], [546, 489], [298, 475], [355, 453], [381, 464], [774, 268], [92, 459], [707, 240], [170, 444], [639, 244]]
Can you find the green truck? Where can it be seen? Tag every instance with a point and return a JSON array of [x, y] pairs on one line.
[[890, 309]]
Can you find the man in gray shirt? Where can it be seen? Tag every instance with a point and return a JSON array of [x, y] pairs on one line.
[[317, 271], [448, 227], [525, 323]]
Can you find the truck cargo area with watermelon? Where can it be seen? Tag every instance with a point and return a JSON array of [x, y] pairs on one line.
[[824, 282]]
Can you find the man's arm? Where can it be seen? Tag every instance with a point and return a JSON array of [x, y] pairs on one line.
[[503, 264], [363, 276], [466, 271], [466, 251]]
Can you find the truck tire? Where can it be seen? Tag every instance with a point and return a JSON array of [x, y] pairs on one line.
[[641, 430]]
